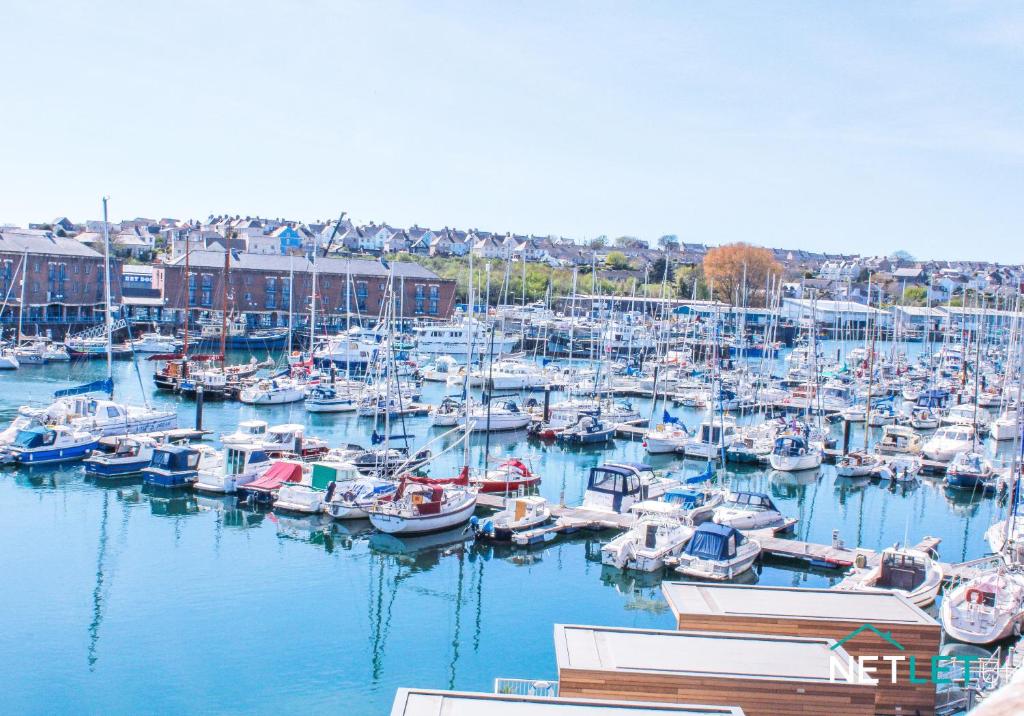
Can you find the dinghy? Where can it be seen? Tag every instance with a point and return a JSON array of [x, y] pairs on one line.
[[908, 571]]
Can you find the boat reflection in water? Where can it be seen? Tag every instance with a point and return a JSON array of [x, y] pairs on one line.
[[169, 501]]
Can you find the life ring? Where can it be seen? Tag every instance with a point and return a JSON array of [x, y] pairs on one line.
[[975, 596]]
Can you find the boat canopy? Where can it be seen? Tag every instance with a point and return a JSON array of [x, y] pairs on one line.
[[33, 438], [752, 500], [616, 478], [279, 473], [175, 457], [789, 445], [715, 542], [685, 498]]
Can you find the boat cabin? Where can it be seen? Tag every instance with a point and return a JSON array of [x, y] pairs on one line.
[[790, 445], [33, 438], [243, 458], [686, 499], [714, 542], [934, 398], [616, 487], [750, 501], [174, 458]]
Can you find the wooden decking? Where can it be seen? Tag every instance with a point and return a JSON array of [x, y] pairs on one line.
[[173, 436]]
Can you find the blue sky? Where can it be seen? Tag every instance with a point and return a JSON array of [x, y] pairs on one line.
[[857, 127]]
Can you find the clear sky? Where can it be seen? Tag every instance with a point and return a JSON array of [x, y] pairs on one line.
[[831, 126]]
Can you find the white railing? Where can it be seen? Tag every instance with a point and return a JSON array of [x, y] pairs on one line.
[[525, 687]]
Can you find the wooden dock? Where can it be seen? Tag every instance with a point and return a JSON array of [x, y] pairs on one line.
[[826, 556], [632, 429], [176, 435]]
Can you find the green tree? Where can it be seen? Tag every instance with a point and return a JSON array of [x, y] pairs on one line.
[[617, 260], [598, 242], [661, 269], [668, 241], [914, 296]]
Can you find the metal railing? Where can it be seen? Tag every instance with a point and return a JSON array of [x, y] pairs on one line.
[[525, 687]]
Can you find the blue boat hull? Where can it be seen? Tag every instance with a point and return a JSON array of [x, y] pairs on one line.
[[966, 482], [164, 478], [101, 469], [38, 457]]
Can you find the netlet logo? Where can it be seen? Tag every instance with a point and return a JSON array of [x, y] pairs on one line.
[[871, 668]]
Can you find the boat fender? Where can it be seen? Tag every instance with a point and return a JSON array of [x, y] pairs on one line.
[[803, 452], [860, 561], [975, 596]]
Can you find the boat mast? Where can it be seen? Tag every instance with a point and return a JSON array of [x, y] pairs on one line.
[[188, 296], [291, 280], [224, 297], [106, 295], [21, 301], [312, 306]]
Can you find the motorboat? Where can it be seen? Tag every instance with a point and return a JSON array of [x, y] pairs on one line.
[[986, 609], [8, 359], [349, 495], [498, 416], [792, 453], [42, 444], [881, 414], [452, 339], [1006, 426], [669, 437], [439, 369], [615, 487], [325, 399], [155, 343], [911, 572], [263, 490], [129, 457], [521, 513], [967, 414], [948, 441], [714, 436], [923, 419], [241, 463], [857, 464], [748, 511], [899, 468], [178, 465], [273, 391], [717, 552], [387, 461], [300, 498], [899, 440], [656, 534], [419, 509], [970, 471], [289, 440], [696, 506], [589, 430], [249, 431]]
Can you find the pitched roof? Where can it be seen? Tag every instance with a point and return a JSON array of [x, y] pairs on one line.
[[326, 265], [43, 242]]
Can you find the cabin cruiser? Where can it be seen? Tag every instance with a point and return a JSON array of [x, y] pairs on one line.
[[923, 419], [908, 571], [178, 465], [103, 417], [753, 443], [40, 351], [986, 609], [273, 391], [792, 453], [48, 444], [948, 441], [419, 508], [748, 511], [357, 349], [249, 431], [289, 440], [521, 513], [714, 436], [588, 430], [155, 343], [882, 414], [504, 375], [718, 552], [970, 471], [967, 414], [240, 464], [693, 505], [439, 369], [300, 498], [657, 533], [500, 415], [325, 399], [858, 464], [129, 457], [899, 440], [615, 487], [667, 437], [899, 468]]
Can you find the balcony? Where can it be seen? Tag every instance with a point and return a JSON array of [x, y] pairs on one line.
[[525, 687]]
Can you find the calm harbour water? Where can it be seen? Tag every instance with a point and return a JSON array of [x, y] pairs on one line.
[[119, 601]]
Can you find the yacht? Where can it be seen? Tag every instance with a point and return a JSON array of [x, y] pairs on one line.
[[248, 431], [970, 471], [129, 457], [948, 441], [656, 534], [792, 453], [908, 571], [273, 391], [419, 509], [716, 434], [448, 414], [667, 438], [8, 360], [325, 399], [1006, 426], [178, 465], [718, 552], [452, 339], [966, 414], [986, 609], [858, 464], [155, 343], [748, 511], [500, 415], [350, 494], [615, 487], [103, 417]]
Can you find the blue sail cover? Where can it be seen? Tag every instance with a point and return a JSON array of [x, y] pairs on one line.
[[711, 541], [104, 386], [709, 472]]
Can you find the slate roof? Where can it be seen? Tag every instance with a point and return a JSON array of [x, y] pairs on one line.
[[43, 242]]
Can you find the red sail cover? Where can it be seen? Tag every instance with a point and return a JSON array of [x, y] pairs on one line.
[[461, 479], [278, 474]]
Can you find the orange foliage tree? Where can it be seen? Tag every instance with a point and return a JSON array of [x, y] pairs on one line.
[[725, 266]]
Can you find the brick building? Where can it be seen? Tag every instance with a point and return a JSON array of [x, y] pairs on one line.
[[64, 282], [258, 286]]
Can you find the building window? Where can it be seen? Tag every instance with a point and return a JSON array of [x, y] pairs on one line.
[[435, 302], [419, 294], [248, 298], [361, 294]]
